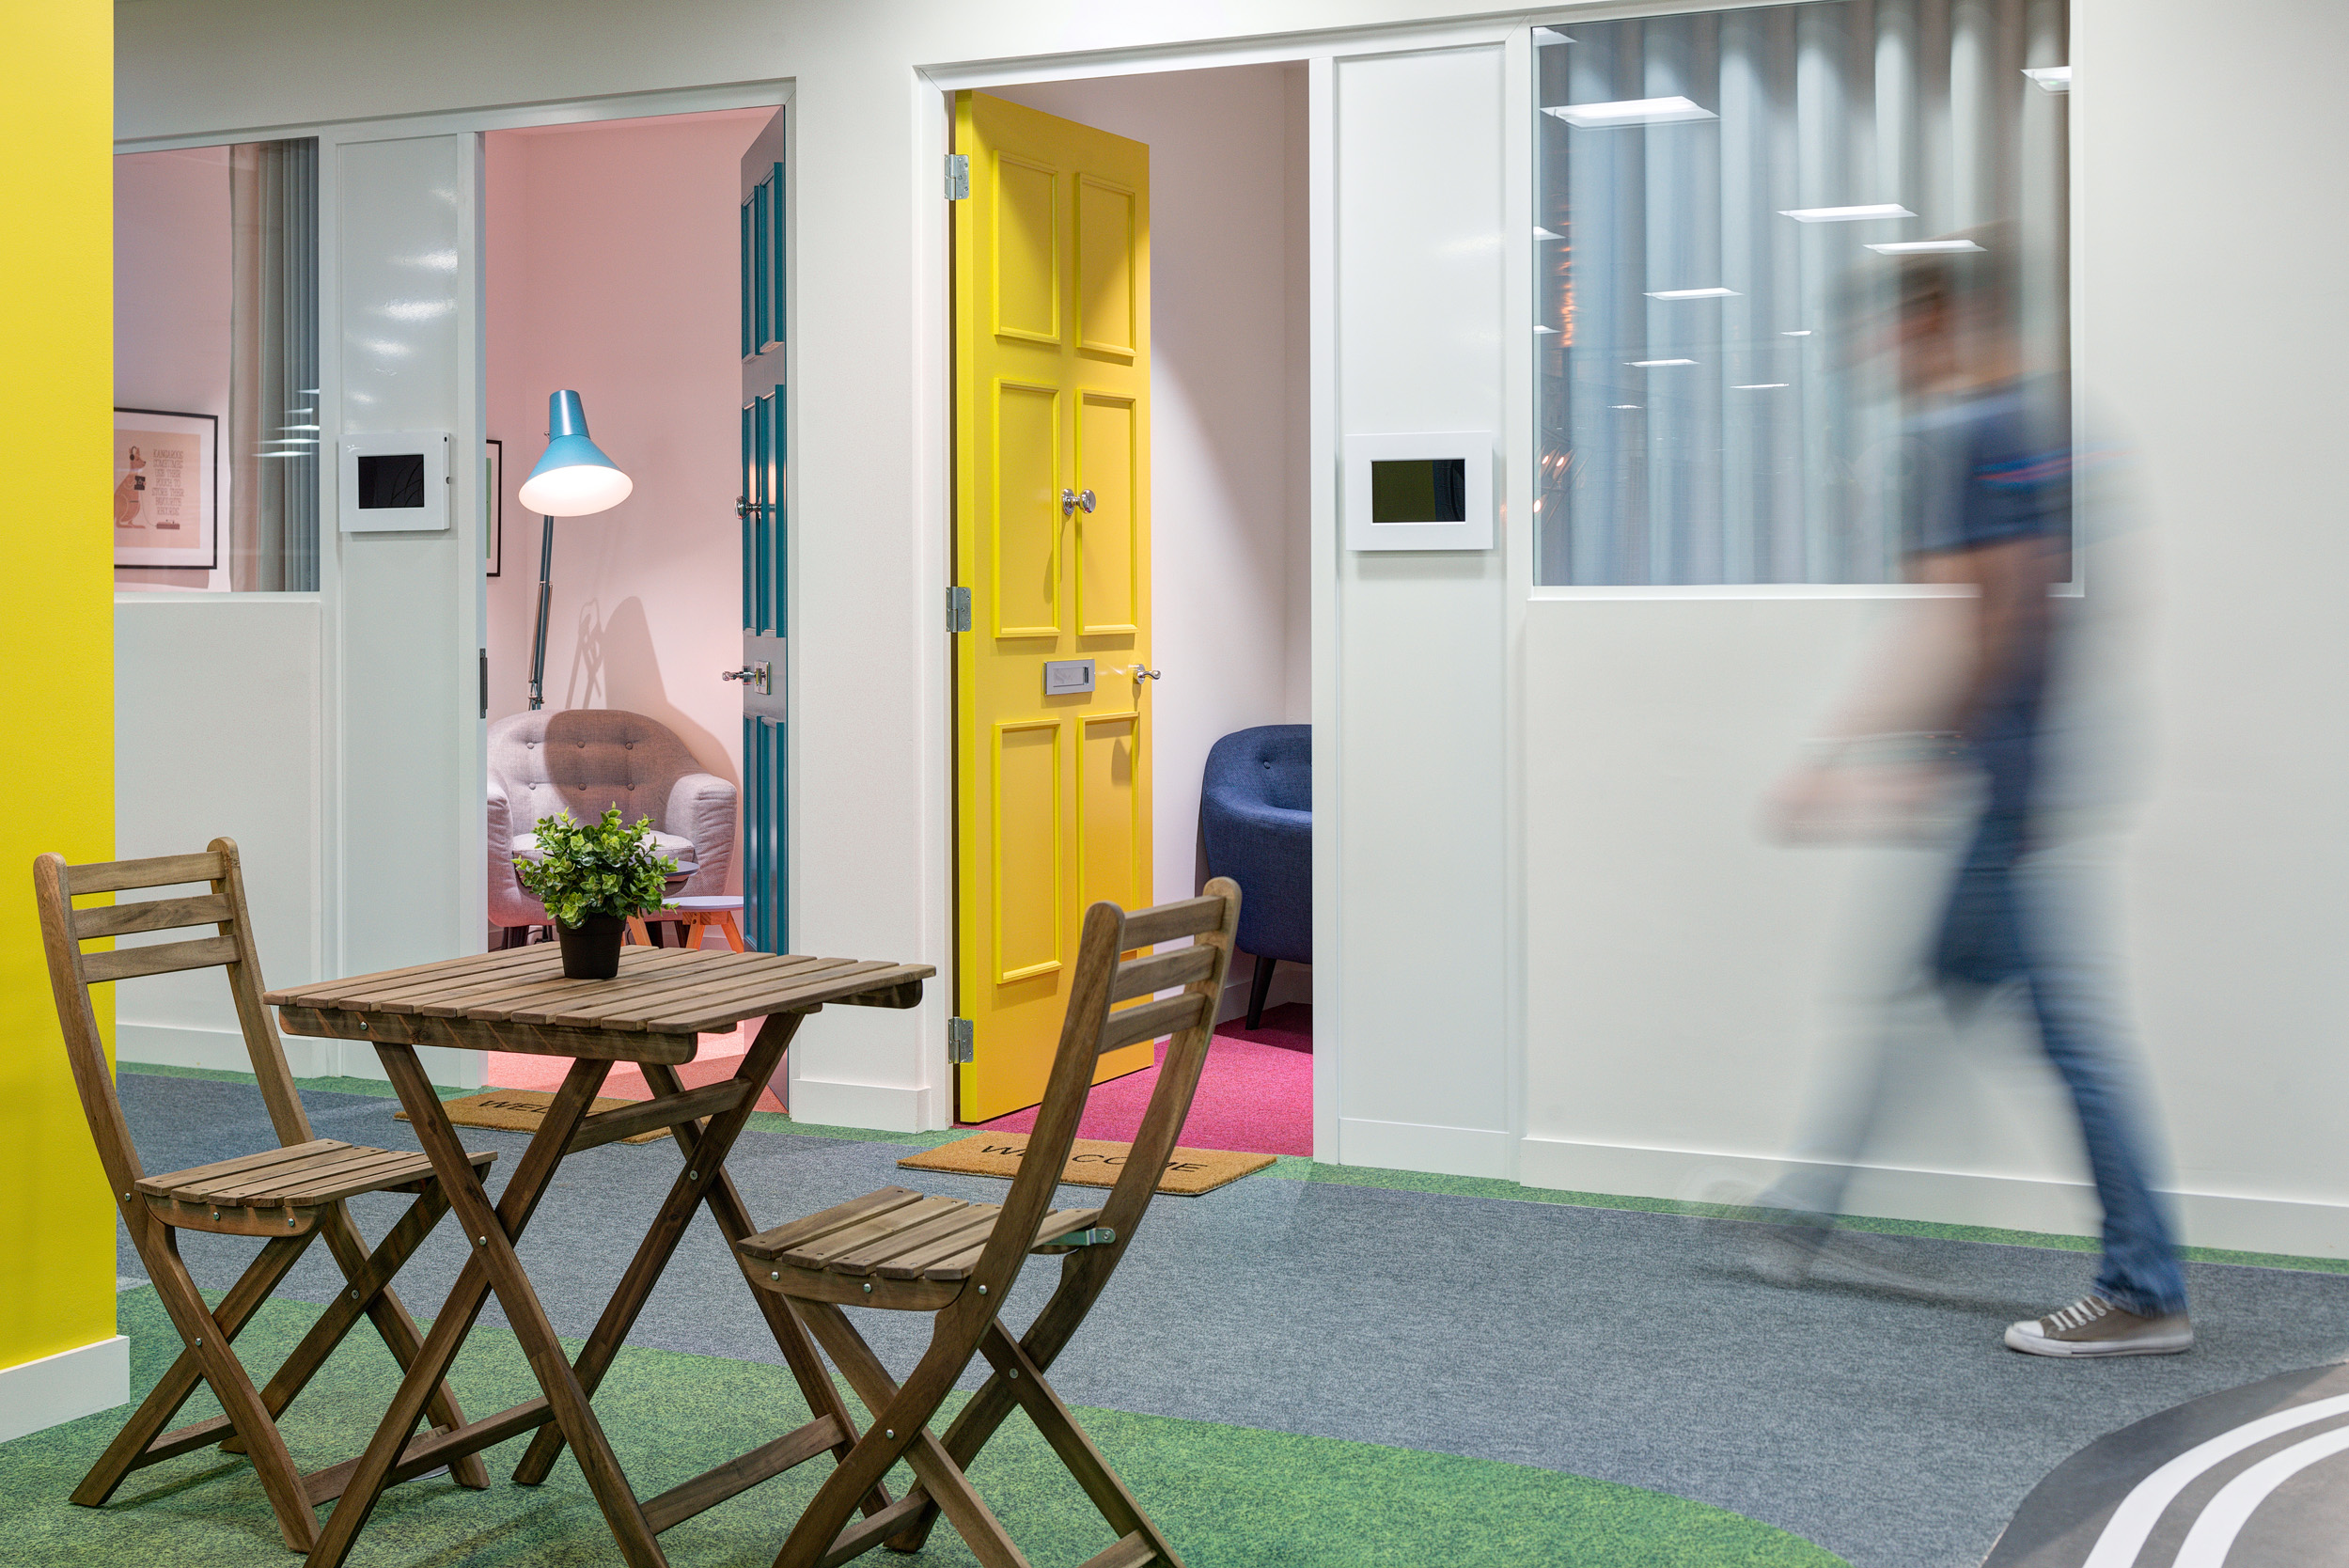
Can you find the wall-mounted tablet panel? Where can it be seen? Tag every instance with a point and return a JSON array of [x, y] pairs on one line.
[[1425, 492], [395, 481]]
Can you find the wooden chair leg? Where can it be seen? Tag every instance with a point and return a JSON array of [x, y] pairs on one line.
[[368, 1291], [900, 1430], [731, 932], [297, 1521], [363, 1484], [1259, 986], [142, 1440], [1083, 1275]]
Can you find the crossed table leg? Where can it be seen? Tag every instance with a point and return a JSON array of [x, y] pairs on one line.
[[395, 1454]]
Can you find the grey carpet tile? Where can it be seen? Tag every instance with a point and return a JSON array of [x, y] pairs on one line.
[[1885, 1423]]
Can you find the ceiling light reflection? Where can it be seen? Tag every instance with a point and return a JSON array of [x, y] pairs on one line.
[[1630, 111]]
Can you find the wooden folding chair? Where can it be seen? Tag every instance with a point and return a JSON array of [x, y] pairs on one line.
[[898, 1250], [290, 1194]]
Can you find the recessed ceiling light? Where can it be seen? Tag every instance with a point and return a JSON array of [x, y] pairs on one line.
[[1692, 293], [1543, 36], [1803, 333], [1846, 214], [1622, 405], [1761, 386], [2050, 78], [1630, 111], [1652, 364], [1921, 247]]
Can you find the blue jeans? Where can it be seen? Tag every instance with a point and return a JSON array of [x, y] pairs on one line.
[[2004, 921]]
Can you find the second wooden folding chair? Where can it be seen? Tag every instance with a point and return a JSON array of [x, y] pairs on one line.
[[290, 1195], [898, 1249]]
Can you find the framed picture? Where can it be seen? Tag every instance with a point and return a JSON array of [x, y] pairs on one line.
[[493, 505], [166, 489]]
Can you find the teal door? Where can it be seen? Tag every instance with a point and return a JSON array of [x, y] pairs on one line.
[[766, 792]]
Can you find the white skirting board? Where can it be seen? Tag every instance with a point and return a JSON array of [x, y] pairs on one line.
[[2240, 1223], [1416, 1146], [180, 1045], [65, 1387], [884, 1107]]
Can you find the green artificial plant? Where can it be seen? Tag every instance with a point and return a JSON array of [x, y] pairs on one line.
[[590, 868]]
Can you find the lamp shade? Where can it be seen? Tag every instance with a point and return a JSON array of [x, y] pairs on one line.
[[574, 478]]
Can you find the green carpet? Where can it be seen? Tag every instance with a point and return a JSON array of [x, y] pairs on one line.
[[1227, 1495]]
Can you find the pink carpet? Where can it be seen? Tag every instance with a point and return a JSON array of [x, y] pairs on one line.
[[719, 1055], [1255, 1093]]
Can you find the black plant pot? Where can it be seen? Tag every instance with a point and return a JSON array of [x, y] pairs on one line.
[[591, 952]]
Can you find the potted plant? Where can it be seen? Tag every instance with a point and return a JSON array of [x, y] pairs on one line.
[[592, 877]]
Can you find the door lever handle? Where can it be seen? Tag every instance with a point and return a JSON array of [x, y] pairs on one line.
[[757, 676], [1142, 674]]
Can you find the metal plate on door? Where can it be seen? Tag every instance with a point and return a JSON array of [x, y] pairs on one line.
[[1065, 677], [763, 699]]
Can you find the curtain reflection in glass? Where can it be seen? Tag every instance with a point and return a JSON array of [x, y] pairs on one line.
[[1717, 195]]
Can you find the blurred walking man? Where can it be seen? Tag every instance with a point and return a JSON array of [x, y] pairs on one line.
[[1991, 509]]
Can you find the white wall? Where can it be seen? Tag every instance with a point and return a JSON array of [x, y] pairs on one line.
[[403, 857], [1410, 801], [172, 296], [1231, 528], [218, 733], [611, 258], [1673, 968]]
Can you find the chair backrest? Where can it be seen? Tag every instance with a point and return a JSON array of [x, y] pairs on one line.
[[1090, 1028], [73, 972], [1271, 763], [585, 760]]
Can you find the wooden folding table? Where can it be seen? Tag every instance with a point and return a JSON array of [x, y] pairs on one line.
[[518, 1000]]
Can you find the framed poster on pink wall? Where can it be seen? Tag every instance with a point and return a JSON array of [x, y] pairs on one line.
[[166, 489]]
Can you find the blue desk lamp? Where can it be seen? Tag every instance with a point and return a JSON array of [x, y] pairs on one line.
[[573, 479]]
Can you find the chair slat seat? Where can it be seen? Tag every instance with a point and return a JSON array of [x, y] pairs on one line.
[[305, 1175], [898, 1233]]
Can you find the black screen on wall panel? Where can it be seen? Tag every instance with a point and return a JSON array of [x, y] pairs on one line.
[[394, 479], [1419, 490]]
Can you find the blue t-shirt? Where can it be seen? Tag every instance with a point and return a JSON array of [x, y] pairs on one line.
[[1995, 466]]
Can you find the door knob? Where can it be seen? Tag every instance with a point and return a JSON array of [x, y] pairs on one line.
[[1072, 499]]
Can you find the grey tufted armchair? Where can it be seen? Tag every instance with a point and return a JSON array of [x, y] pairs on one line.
[[583, 760]]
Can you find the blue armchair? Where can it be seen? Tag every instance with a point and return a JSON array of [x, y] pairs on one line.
[[1256, 812]]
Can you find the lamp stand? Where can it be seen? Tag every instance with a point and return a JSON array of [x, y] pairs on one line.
[[537, 645]]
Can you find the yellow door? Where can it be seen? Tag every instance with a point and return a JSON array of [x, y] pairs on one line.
[[1052, 539]]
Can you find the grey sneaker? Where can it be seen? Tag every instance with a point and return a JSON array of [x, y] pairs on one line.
[[2094, 1327]]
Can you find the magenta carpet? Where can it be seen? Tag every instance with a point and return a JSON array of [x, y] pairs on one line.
[[1255, 1095]]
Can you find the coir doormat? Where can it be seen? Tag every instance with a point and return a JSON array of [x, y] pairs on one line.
[[1092, 1162], [521, 1110]]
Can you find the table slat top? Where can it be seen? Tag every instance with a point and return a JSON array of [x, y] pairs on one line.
[[661, 990]]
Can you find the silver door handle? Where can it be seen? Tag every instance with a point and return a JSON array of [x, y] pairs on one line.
[[758, 677], [1141, 674], [1072, 499]]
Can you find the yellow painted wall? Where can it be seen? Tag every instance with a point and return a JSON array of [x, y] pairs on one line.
[[56, 638]]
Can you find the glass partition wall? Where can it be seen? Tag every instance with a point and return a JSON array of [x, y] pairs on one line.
[[1722, 205], [216, 444]]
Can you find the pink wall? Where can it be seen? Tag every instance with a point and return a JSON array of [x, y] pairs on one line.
[[612, 269], [171, 301]]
